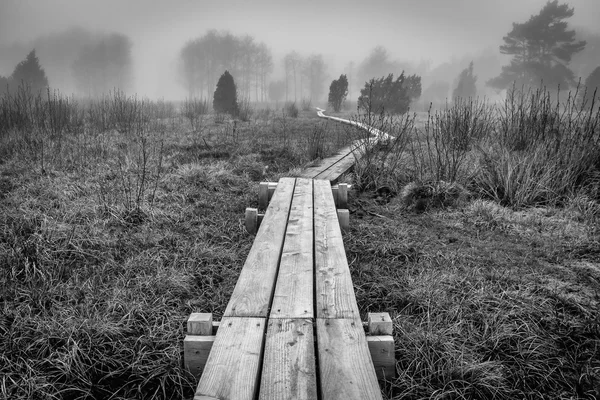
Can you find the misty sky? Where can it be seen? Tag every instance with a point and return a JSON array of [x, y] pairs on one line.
[[342, 30]]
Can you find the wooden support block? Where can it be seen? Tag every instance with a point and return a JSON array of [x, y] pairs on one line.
[[251, 220], [200, 324], [342, 197], [195, 353], [263, 195], [289, 370], [232, 369], [272, 188], [383, 356], [345, 366], [379, 324], [344, 218], [334, 191]]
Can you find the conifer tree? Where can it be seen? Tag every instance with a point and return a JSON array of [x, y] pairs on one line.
[[225, 97], [338, 90], [466, 86], [30, 73], [541, 49]]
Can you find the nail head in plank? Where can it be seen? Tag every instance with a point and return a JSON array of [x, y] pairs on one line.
[[252, 294], [345, 366], [294, 289], [289, 361], [232, 368], [334, 289]]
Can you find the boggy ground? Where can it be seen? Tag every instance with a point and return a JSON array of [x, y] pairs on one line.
[[486, 302], [100, 271]]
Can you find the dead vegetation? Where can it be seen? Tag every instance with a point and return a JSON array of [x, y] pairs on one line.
[[118, 222]]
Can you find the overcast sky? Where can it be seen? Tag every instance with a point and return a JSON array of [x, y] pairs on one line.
[[340, 29]]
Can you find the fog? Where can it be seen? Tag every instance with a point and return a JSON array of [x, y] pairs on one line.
[[433, 38]]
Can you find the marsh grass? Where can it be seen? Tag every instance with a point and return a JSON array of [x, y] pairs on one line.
[[487, 301]]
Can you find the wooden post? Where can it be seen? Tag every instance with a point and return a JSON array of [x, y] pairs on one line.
[[340, 194], [342, 197], [344, 219], [272, 187], [381, 345], [198, 342], [334, 191], [253, 220], [200, 324], [379, 324], [263, 195], [382, 354]]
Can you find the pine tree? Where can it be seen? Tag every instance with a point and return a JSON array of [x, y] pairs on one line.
[[389, 95], [338, 90], [541, 49], [466, 86], [225, 97], [31, 73]]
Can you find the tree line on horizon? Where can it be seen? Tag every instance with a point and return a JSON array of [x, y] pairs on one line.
[[541, 50]]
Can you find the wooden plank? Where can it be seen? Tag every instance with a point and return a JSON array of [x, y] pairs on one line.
[[232, 370], [326, 163], [344, 165], [289, 361], [345, 367], [294, 289], [253, 292], [334, 291]]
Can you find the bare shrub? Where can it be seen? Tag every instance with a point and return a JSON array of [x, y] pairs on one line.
[[381, 163], [542, 152], [306, 104], [291, 109], [448, 137], [195, 109], [245, 110]]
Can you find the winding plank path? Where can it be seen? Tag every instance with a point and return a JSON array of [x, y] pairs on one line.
[[332, 168], [292, 328]]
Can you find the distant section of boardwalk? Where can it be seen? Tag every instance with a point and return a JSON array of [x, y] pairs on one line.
[[332, 168]]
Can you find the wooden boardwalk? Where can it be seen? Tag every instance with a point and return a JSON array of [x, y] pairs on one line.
[[332, 168], [292, 328]]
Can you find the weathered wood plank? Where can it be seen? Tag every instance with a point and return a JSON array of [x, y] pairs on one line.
[[232, 369], [252, 294], [294, 289], [344, 165], [289, 361], [345, 367], [325, 163], [334, 291]]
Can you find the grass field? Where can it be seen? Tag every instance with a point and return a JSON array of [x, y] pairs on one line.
[[120, 218]]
